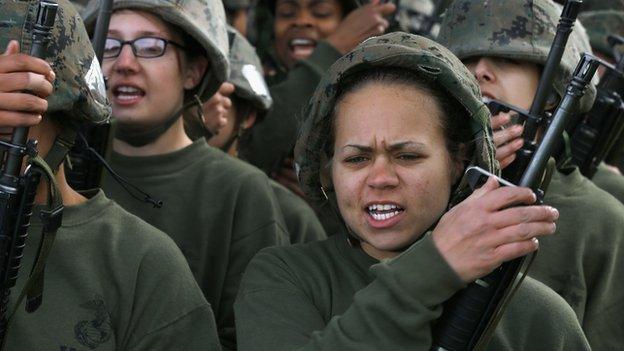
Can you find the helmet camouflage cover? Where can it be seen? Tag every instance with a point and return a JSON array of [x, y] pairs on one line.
[[519, 30], [245, 72], [425, 58], [79, 95], [600, 24], [204, 21]]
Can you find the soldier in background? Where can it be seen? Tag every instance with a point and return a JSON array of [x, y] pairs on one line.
[[307, 37], [237, 14], [505, 45], [112, 281], [601, 23], [162, 60], [250, 102]]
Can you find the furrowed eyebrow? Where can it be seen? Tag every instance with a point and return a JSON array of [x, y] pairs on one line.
[[406, 144], [394, 147], [360, 148]]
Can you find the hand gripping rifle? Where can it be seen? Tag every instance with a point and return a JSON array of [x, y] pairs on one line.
[[598, 131], [471, 315], [17, 190]]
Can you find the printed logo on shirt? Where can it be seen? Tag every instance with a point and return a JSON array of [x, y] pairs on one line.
[[97, 331]]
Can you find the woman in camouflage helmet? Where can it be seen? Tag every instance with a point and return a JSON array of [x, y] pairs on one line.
[[162, 57], [499, 41], [386, 139], [109, 276]]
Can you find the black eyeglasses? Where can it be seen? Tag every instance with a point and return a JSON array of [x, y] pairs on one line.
[[145, 47]]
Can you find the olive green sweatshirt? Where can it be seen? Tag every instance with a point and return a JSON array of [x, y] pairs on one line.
[[610, 182], [301, 220], [329, 295], [273, 139], [584, 261], [112, 282], [218, 209]]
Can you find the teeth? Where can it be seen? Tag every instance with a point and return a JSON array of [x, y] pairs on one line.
[[301, 41], [129, 90], [384, 216], [381, 207]]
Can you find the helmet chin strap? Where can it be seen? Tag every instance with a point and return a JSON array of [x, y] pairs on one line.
[[62, 144], [139, 136]]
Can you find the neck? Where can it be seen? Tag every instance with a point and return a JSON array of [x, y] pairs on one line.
[[376, 253], [70, 196], [172, 140]]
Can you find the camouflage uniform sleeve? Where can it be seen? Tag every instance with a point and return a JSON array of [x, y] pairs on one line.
[[274, 138]]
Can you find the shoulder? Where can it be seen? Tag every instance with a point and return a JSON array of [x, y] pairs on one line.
[[290, 265], [219, 167], [538, 318], [579, 199], [290, 202]]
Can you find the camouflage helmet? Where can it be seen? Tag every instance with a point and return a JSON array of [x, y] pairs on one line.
[[79, 95], [600, 24], [417, 17], [79, 5], [204, 21], [245, 72], [423, 57], [519, 30]]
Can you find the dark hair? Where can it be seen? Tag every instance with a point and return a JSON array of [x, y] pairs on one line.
[[244, 108], [454, 119]]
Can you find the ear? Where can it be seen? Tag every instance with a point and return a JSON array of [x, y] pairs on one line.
[[250, 120], [195, 72]]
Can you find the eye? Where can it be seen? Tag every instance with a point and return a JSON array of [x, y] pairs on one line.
[[322, 10], [408, 156], [285, 11], [357, 159]]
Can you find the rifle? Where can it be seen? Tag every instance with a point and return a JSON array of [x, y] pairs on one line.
[[598, 131], [471, 315], [17, 191], [614, 157], [86, 168]]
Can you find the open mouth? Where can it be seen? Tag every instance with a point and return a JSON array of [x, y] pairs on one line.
[[383, 212], [301, 48], [127, 93]]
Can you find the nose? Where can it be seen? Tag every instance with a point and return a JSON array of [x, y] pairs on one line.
[[304, 18], [126, 61], [483, 70], [382, 174]]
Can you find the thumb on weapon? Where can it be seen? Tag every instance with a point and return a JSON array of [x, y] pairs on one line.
[[12, 48]]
